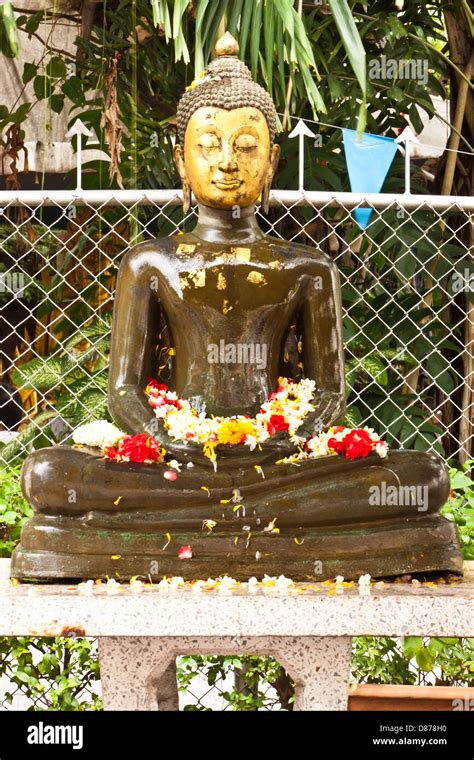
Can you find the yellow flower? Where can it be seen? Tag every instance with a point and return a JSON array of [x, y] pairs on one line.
[[196, 81], [209, 451], [234, 431]]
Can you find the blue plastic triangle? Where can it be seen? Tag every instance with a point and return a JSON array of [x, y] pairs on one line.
[[368, 161]]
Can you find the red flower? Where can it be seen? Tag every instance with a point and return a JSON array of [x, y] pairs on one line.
[[155, 401], [172, 402], [338, 446], [152, 383], [185, 552], [276, 423], [136, 448], [358, 444]]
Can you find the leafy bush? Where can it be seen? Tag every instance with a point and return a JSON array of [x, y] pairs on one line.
[[256, 683], [74, 381], [14, 510], [460, 506], [54, 674], [413, 660], [378, 659]]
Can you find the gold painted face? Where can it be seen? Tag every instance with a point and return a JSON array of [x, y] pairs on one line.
[[227, 157]]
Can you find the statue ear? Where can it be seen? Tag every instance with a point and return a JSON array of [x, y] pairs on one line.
[[274, 156], [179, 161]]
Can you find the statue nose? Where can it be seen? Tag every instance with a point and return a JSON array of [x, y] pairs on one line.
[[227, 162]]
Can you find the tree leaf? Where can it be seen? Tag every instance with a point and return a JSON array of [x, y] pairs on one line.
[[412, 645], [355, 51], [57, 103], [29, 71], [425, 659], [38, 373]]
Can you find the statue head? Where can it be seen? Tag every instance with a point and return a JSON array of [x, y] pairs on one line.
[[226, 127]]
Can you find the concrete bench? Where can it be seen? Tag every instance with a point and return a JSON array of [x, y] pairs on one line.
[[309, 631]]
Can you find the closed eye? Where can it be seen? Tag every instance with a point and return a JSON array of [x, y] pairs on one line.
[[209, 142], [245, 143]]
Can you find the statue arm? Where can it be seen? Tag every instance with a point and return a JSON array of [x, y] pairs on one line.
[[134, 334], [323, 352]]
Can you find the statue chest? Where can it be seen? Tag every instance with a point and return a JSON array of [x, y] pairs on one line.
[[242, 288]]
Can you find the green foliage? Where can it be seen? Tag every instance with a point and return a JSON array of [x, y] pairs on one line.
[[321, 53], [54, 674], [453, 657], [379, 660], [460, 507], [8, 31], [256, 675], [398, 328], [14, 510], [414, 660], [75, 379]]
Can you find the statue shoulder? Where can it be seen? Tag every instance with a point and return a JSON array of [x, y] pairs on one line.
[[151, 254], [303, 254]]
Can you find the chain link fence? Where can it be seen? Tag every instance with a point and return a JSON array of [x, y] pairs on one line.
[[407, 291]]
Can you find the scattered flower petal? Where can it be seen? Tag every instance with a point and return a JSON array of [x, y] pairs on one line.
[[185, 552]]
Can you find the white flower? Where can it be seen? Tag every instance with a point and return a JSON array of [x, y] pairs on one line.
[[382, 449], [252, 585], [364, 580], [98, 433], [284, 584], [339, 580], [176, 582], [86, 588], [226, 584], [112, 587]]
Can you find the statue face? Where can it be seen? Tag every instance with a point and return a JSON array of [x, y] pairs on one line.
[[227, 156]]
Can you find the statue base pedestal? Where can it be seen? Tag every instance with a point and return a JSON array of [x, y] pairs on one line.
[[54, 548]]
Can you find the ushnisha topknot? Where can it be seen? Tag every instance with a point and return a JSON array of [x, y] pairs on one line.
[[226, 83]]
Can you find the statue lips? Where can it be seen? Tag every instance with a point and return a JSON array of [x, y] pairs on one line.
[[227, 184]]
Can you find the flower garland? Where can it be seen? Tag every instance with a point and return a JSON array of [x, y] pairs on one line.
[[136, 448], [352, 443], [284, 410]]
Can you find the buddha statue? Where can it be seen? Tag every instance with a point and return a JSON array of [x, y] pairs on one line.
[[226, 283]]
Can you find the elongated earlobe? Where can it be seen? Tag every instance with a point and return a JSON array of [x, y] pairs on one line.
[[186, 196], [178, 159], [274, 157]]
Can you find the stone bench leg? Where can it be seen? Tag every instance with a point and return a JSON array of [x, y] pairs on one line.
[[139, 673]]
